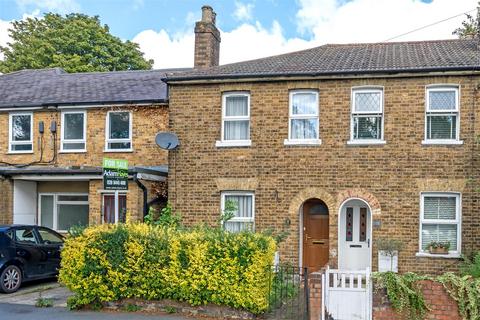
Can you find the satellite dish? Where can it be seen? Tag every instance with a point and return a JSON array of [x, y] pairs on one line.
[[167, 140]]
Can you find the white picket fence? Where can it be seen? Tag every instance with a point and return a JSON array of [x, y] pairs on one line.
[[346, 294]]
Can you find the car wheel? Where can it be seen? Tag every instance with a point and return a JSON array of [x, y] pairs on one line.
[[10, 279]]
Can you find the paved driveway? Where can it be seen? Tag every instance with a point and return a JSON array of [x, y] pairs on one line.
[[21, 305]]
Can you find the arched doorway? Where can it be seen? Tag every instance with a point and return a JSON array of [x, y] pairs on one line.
[[354, 235], [315, 234]]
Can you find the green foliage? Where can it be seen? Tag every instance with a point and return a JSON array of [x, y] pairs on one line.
[[403, 293], [469, 28], [390, 246], [166, 217], [228, 212], [199, 266], [75, 42], [465, 290], [76, 230], [170, 310], [44, 302], [471, 265], [130, 307], [439, 244]]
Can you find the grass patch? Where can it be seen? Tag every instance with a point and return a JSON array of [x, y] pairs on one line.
[[44, 302], [130, 307]]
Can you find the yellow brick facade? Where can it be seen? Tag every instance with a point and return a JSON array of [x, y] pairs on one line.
[[388, 177], [147, 121]]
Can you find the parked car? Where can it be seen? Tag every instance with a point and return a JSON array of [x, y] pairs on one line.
[[27, 253]]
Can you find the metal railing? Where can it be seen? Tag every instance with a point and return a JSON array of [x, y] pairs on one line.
[[288, 293]]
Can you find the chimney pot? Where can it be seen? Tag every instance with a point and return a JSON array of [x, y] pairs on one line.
[[208, 15]]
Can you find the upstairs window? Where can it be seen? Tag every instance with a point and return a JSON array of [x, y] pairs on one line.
[[303, 117], [244, 203], [235, 119], [367, 115], [21, 133], [74, 127], [119, 131], [440, 220], [442, 120]]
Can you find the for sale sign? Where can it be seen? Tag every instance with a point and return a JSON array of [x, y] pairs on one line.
[[115, 174]]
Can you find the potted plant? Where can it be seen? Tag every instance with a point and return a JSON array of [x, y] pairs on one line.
[[388, 254], [438, 247]]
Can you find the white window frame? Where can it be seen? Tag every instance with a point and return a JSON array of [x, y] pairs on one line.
[[354, 114], [10, 133], [56, 202], [109, 193], [62, 133], [457, 221], [442, 87], [292, 116], [234, 143], [107, 133], [240, 193]]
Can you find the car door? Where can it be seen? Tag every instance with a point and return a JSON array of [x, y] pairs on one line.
[[51, 244], [27, 251]]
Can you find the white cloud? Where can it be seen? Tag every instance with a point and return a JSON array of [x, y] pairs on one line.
[[243, 11], [321, 21], [331, 21], [58, 6]]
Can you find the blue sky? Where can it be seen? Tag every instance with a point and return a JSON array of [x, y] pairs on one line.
[[252, 28]]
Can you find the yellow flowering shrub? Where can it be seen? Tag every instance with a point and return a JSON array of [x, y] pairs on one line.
[[199, 266]]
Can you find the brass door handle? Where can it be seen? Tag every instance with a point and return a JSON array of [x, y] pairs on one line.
[[318, 242]]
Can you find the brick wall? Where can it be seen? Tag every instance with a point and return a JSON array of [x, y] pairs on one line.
[[389, 177], [146, 120], [441, 305]]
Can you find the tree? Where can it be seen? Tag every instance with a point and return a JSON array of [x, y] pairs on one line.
[[75, 42], [470, 27]]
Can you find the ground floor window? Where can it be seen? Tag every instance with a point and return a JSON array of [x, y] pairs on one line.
[[440, 220], [244, 210], [108, 208], [62, 211]]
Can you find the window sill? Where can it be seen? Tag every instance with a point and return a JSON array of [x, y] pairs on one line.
[[443, 256], [442, 142], [366, 142], [72, 151], [233, 143], [20, 152], [117, 150], [309, 142]]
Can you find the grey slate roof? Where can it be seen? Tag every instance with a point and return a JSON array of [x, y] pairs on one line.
[[28, 88], [342, 59]]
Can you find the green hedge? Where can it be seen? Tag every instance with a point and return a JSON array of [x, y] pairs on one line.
[[111, 262]]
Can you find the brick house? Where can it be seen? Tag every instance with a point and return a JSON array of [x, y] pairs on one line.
[[338, 145], [57, 128]]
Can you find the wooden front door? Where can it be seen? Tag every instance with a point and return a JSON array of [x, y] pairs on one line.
[[315, 234]]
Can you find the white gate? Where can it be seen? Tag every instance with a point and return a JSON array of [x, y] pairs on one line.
[[346, 294]]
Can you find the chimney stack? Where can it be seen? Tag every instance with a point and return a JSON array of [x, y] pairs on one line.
[[207, 40]]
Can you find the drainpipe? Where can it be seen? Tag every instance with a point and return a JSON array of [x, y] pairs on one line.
[[145, 195]]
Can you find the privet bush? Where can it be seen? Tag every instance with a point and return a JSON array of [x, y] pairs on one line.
[[111, 262]]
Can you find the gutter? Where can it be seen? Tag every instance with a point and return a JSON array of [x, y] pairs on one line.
[[322, 75], [90, 104], [146, 206]]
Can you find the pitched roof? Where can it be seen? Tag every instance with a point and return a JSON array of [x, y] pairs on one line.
[[342, 59], [29, 88]]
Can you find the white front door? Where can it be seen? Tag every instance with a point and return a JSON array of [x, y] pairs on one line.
[[354, 237]]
